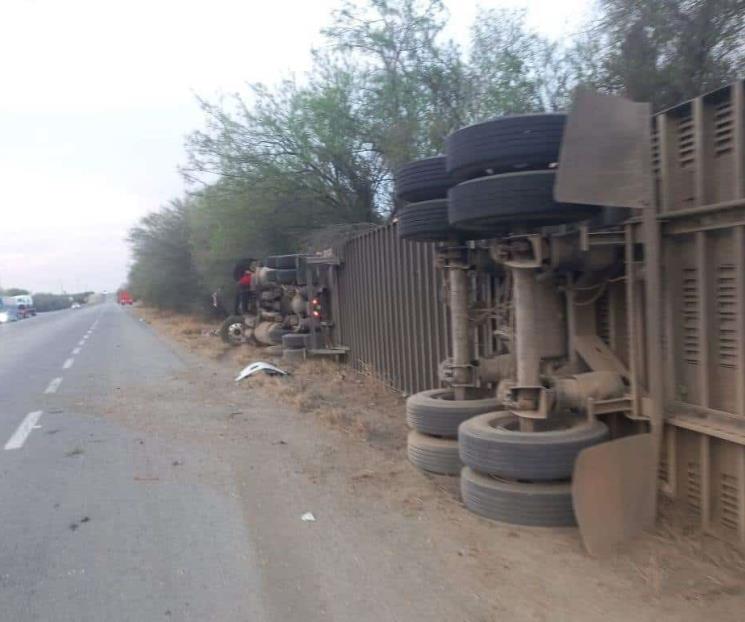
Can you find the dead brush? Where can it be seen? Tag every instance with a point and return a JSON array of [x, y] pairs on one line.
[[356, 403], [196, 333]]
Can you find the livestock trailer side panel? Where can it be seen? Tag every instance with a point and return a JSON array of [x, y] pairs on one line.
[[391, 313], [700, 164]]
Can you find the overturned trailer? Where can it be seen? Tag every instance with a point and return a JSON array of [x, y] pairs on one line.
[[678, 346]]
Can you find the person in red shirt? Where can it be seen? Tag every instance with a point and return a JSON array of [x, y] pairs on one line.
[[243, 295]]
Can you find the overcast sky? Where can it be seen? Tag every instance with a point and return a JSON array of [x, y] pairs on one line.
[[96, 97]]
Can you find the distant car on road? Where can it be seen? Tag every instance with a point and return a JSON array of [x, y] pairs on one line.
[[8, 310], [25, 304], [123, 297], [75, 305]]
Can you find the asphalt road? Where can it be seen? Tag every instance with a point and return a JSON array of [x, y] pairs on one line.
[[88, 528]]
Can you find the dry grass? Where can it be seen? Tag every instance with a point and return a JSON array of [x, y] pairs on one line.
[[198, 334], [356, 403]]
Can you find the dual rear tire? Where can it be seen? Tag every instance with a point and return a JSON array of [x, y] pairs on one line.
[[519, 477], [497, 178]]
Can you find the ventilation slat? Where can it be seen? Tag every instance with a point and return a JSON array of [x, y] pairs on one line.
[[726, 308], [690, 316], [729, 502]]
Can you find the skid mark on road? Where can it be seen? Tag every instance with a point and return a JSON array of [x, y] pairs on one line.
[[53, 385], [21, 434]]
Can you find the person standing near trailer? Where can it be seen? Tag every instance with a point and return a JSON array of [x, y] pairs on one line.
[[244, 293]]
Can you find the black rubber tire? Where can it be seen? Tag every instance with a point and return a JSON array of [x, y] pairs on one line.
[[422, 180], [295, 341], [493, 444], [276, 334], [432, 454], [229, 335], [517, 503], [504, 144], [286, 276], [436, 412], [502, 203], [427, 222], [282, 262]]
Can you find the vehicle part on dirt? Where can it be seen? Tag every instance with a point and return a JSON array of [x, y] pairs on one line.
[[437, 411], [426, 222], [286, 276], [234, 330], [282, 262], [545, 504], [433, 454], [422, 180], [269, 333], [267, 368], [613, 492], [294, 354], [573, 392], [276, 332], [293, 341], [504, 144], [275, 349], [493, 444], [298, 304], [496, 205]]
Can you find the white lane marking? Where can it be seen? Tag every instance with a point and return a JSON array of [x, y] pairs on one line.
[[53, 385], [68, 363], [21, 434], [76, 351], [81, 342]]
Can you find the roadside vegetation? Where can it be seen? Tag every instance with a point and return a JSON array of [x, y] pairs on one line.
[[278, 164]]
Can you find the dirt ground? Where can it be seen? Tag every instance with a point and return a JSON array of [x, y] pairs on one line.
[[357, 461]]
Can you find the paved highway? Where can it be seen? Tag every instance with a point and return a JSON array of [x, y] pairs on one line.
[[90, 530]]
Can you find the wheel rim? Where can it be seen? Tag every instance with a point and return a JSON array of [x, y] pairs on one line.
[[236, 333]]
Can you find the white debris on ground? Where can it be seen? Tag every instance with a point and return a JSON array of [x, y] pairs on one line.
[[267, 368]]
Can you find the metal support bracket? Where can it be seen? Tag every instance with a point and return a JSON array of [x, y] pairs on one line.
[[521, 251], [530, 402]]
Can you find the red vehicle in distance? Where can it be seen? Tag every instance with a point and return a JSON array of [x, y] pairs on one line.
[[123, 297]]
